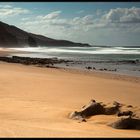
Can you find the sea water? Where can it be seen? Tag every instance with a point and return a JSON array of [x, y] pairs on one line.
[[96, 56]]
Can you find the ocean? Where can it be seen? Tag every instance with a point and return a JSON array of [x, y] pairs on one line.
[[99, 57]]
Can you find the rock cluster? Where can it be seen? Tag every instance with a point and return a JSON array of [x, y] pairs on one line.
[[127, 118], [126, 123], [48, 62], [101, 69], [95, 108]]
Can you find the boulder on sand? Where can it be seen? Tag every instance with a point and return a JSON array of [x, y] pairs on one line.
[[125, 113], [95, 108], [112, 109], [128, 120], [126, 123], [77, 116]]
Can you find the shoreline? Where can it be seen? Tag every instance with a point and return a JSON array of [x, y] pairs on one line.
[[55, 63], [99, 74], [122, 67]]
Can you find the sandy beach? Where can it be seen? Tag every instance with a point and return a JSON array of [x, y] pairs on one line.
[[69, 70], [35, 101]]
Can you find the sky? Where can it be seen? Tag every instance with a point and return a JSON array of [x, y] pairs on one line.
[[96, 23]]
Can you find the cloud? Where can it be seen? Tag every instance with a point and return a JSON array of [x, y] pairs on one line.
[[10, 11], [114, 18], [123, 15], [50, 19], [5, 6], [50, 16], [25, 18], [115, 21], [119, 19], [85, 20]]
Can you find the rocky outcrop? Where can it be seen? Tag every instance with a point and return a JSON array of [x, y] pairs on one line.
[[127, 119], [126, 123], [48, 62], [95, 108]]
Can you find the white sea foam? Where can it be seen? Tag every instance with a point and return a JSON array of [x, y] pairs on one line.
[[82, 50]]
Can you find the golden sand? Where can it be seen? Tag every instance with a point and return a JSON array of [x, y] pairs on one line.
[[35, 102]]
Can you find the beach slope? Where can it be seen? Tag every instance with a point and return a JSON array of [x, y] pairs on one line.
[[35, 101]]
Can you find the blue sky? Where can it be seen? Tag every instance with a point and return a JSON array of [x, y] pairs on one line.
[[99, 23]]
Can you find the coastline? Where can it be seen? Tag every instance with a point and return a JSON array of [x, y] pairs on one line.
[[126, 65], [36, 101], [56, 64], [4, 52]]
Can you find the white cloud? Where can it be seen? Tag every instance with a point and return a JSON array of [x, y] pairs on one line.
[[5, 6], [115, 18], [25, 18], [50, 16], [88, 19], [119, 19], [8, 11], [123, 15]]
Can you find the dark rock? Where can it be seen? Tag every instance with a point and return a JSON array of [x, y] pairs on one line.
[[101, 69], [88, 67], [93, 101], [111, 110], [48, 62], [125, 113], [48, 66], [93, 109], [126, 123]]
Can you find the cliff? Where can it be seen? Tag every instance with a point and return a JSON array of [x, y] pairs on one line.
[[11, 36]]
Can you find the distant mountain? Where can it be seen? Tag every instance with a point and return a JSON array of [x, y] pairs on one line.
[[11, 36]]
